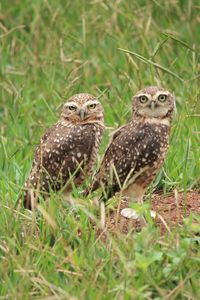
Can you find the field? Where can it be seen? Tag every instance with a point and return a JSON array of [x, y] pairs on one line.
[[50, 50]]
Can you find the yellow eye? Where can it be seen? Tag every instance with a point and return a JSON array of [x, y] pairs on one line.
[[162, 98], [72, 107], [92, 106], [143, 99]]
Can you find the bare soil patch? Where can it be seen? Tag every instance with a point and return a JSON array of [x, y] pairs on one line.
[[171, 210]]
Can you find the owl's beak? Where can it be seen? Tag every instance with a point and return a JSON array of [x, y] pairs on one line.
[[81, 114], [152, 105]]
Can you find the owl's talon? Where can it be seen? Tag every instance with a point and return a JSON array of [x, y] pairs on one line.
[[129, 213], [153, 214]]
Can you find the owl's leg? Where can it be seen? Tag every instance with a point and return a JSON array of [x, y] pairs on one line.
[[68, 197], [31, 194], [134, 193], [30, 201]]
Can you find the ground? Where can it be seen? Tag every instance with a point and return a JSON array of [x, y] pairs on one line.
[[170, 210]]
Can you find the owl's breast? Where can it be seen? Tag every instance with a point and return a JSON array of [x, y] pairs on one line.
[[151, 149], [138, 151]]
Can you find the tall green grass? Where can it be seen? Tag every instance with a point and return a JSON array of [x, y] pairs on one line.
[[50, 50]]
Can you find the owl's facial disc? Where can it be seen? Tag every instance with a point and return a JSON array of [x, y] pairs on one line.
[[91, 110], [154, 105]]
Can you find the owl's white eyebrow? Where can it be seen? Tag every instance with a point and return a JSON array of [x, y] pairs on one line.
[[92, 102], [71, 104], [144, 94], [162, 93]]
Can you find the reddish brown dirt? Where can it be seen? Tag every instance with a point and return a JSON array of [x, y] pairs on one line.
[[170, 211]]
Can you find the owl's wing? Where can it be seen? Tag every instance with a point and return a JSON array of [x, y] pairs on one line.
[[38, 149], [131, 151], [114, 135], [97, 177]]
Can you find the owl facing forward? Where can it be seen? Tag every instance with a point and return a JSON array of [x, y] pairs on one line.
[[137, 149], [68, 150]]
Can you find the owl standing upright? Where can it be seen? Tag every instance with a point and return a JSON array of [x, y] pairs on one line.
[[68, 149], [137, 149]]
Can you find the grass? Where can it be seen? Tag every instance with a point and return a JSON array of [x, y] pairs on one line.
[[50, 50]]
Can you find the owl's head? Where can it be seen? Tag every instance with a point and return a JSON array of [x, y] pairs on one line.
[[153, 102], [82, 108]]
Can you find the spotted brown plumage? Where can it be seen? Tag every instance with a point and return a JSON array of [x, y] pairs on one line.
[[137, 150], [68, 149]]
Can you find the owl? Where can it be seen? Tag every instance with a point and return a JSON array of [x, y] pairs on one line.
[[137, 150], [67, 152]]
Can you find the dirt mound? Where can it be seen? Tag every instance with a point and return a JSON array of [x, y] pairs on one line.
[[171, 210]]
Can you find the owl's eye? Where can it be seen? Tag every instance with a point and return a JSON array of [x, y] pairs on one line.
[[92, 106], [143, 99], [162, 98], [72, 107]]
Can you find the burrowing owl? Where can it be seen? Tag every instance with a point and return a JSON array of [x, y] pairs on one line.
[[137, 149], [68, 149]]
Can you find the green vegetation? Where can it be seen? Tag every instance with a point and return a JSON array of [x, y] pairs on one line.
[[50, 50]]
